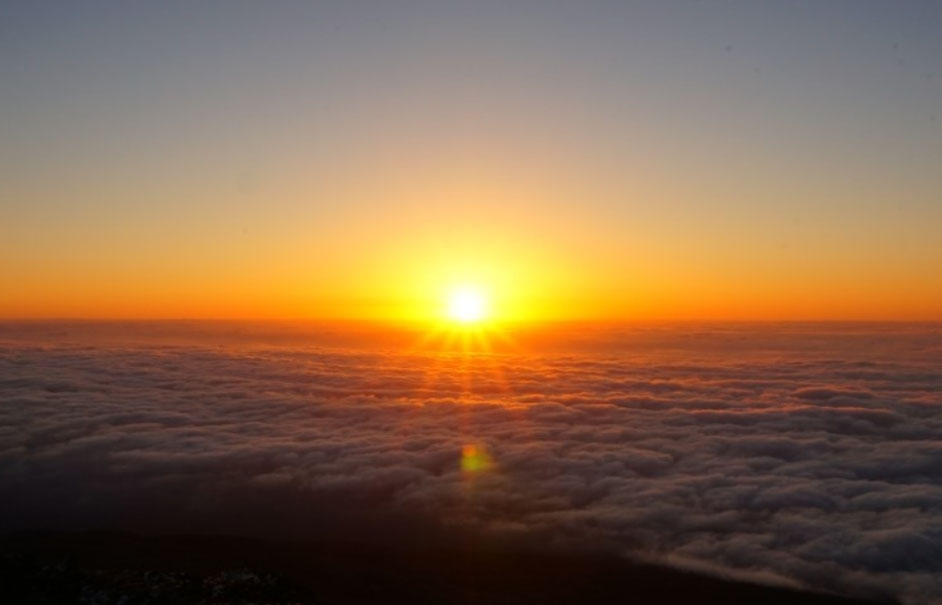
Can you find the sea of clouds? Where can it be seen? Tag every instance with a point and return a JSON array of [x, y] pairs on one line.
[[799, 454]]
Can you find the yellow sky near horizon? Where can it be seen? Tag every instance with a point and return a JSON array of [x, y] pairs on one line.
[[393, 247]]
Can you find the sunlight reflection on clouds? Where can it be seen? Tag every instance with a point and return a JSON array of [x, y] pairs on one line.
[[806, 458]]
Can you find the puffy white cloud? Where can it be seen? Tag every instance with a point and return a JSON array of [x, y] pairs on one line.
[[795, 454]]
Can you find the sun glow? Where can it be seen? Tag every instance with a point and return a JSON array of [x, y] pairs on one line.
[[470, 322], [467, 305]]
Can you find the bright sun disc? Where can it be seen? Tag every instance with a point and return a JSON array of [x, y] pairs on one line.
[[467, 305]]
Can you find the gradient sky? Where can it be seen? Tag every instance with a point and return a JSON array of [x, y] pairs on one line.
[[737, 160]]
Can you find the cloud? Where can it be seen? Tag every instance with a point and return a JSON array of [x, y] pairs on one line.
[[794, 455]]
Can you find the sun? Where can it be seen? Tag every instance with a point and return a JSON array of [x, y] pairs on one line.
[[467, 305], [470, 322]]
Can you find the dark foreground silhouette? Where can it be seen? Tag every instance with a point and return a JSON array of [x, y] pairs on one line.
[[109, 568]]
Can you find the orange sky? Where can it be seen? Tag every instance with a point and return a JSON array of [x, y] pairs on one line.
[[622, 166]]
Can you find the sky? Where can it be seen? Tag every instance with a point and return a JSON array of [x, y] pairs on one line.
[[616, 160]]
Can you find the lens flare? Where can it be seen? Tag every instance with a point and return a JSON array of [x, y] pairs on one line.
[[475, 459]]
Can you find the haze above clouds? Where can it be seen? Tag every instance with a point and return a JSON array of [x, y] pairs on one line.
[[795, 454]]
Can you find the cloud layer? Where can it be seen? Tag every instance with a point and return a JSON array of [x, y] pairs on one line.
[[809, 455]]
